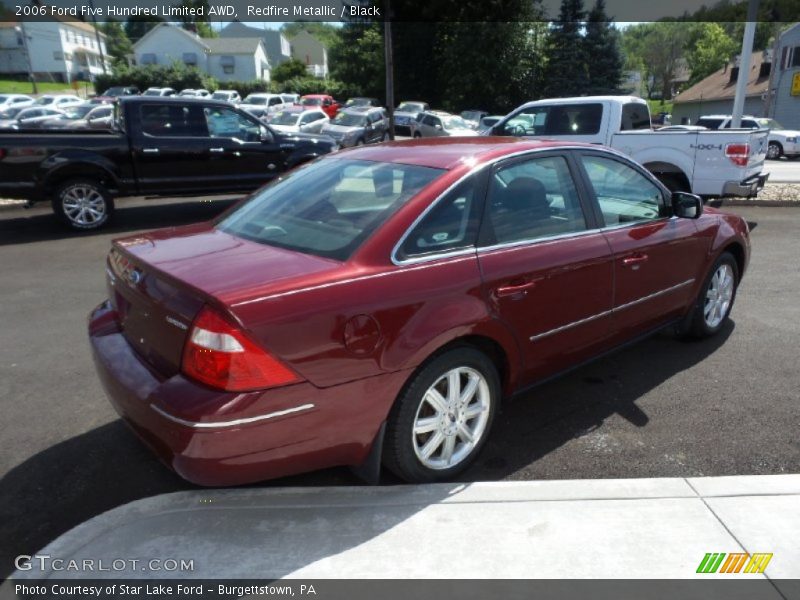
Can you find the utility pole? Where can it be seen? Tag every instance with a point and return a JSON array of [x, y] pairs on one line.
[[744, 64], [389, 59], [97, 37], [21, 30]]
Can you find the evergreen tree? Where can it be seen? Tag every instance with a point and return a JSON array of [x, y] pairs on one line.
[[357, 59], [137, 27], [118, 45], [565, 73], [602, 52]]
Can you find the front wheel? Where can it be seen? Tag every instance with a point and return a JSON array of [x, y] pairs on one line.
[[774, 151], [83, 204], [716, 298], [442, 419]]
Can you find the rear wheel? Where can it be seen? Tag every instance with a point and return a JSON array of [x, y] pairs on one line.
[[442, 419], [417, 134], [83, 204], [360, 142], [774, 151], [715, 301]]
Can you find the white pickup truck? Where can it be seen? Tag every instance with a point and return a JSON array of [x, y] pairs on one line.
[[707, 163]]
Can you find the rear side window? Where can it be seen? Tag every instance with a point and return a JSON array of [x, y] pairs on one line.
[[559, 119], [635, 116], [171, 120], [624, 194], [533, 199], [709, 123], [451, 225], [329, 207], [227, 123]]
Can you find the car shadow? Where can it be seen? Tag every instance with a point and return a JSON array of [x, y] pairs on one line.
[[84, 476], [24, 226]]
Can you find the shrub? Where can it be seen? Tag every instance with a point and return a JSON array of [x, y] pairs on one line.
[[176, 76]]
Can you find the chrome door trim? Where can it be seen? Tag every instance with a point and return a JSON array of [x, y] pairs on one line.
[[234, 422], [615, 309]]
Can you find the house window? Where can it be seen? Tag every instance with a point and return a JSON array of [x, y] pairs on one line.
[[190, 58], [149, 59], [795, 61], [228, 64]]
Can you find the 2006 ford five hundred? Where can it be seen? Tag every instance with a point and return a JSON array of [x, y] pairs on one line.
[[376, 305]]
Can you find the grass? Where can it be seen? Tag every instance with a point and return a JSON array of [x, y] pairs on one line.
[[656, 106], [16, 86]]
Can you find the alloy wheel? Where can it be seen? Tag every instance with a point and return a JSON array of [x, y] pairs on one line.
[[718, 296], [451, 418], [83, 205]]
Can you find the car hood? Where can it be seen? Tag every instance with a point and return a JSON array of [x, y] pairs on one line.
[[340, 129], [462, 132], [290, 134], [286, 128], [785, 132], [410, 115], [224, 266]]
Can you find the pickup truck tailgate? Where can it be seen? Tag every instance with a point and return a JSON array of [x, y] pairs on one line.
[[731, 160]]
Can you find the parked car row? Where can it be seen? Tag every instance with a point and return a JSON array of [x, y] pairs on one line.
[[84, 115]]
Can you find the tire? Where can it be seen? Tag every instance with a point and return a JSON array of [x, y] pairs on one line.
[[423, 456], [715, 301], [417, 134], [360, 142], [83, 204], [774, 151], [385, 137], [673, 183]]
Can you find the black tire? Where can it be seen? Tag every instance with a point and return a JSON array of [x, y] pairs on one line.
[[360, 142], [700, 326], [417, 134], [774, 151], [83, 204], [674, 183], [401, 446], [385, 137]]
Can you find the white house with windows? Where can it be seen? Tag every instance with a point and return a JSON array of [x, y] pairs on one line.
[[226, 59], [59, 50], [312, 53]]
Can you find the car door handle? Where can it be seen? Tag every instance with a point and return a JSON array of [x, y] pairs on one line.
[[634, 260], [150, 150], [216, 150], [515, 287]]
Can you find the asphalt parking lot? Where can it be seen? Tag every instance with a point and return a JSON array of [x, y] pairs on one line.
[[660, 408]]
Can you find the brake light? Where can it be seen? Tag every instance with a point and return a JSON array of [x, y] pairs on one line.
[[220, 355], [738, 154]]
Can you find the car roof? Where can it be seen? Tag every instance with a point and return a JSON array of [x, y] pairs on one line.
[[173, 100], [450, 152]]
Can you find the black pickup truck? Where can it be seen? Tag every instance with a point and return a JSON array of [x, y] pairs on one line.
[[157, 147]]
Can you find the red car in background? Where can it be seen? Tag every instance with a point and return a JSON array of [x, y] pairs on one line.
[[328, 105], [376, 305]]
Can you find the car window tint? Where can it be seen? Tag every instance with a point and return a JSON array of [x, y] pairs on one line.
[[533, 199], [227, 123], [171, 120], [559, 119], [635, 116], [452, 224], [624, 194], [328, 207]]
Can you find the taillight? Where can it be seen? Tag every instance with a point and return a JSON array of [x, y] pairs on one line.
[[738, 154], [220, 355]]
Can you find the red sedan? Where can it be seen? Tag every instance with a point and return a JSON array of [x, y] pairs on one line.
[[328, 105], [376, 305]]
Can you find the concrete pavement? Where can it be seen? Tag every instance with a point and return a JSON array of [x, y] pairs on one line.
[[783, 171], [601, 528]]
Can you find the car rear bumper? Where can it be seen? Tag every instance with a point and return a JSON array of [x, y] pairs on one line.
[[216, 438], [747, 188]]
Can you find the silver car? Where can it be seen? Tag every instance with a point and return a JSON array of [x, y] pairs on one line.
[[437, 124], [358, 125], [405, 116], [294, 120], [31, 117]]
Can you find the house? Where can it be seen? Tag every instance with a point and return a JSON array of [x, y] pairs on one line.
[[275, 43], [310, 51], [61, 49], [226, 59], [715, 93], [776, 70]]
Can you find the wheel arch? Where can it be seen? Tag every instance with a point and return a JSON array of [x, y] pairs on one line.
[[56, 177]]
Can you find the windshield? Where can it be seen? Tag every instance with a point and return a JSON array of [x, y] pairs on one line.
[[311, 101], [3, 99], [114, 91], [10, 113], [471, 115], [358, 102], [77, 112], [454, 123], [285, 118], [259, 100], [155, 92], [329, 207], [44, 101], [771, 123], [219, 96], [350, 120], [410, 107]]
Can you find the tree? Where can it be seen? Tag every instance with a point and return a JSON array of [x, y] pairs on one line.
[[708, 49], [199, 25], [287, 70], [137, 27], [565, 73], [117, 43], [658, 48], [357, 59], [602, 53]]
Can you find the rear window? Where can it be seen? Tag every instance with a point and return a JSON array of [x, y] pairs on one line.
[[559, 119], [709, 123], [329, 207]]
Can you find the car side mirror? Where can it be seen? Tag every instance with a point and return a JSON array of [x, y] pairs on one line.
[[686, 205], [264, 135], [439, 127]]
